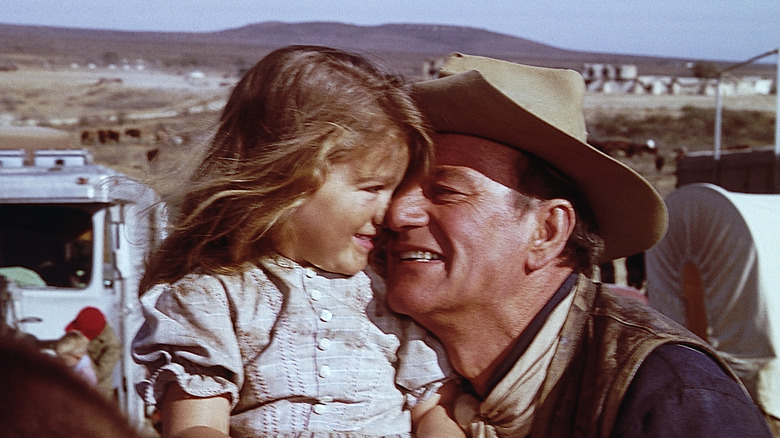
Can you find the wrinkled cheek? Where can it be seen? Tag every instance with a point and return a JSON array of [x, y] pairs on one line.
[[395, 296], [401, 293]]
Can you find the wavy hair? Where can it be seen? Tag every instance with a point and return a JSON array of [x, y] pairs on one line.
[[295, 112]]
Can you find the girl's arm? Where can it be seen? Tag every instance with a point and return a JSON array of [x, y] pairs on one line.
[[436, 422], [433, 417], [185, 416]]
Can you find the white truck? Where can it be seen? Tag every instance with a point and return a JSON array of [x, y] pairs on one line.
[[75, 234]]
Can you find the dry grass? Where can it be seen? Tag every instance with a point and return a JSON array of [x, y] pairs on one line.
[[174, 104]]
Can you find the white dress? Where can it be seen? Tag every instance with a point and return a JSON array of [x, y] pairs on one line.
[[299, 352]]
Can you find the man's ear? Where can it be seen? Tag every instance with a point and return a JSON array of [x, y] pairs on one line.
[[555, 223]]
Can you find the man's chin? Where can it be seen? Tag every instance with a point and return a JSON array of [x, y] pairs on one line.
[[396, 303], [405, 296]]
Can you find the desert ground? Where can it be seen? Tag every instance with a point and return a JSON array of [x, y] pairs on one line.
[[175, 110]]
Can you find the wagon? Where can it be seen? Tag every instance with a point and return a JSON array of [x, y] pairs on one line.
[[717, 271]]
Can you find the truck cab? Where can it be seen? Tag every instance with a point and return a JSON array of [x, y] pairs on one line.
[[74, 234]]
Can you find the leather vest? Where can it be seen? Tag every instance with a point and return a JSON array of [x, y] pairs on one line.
[[604, 340]]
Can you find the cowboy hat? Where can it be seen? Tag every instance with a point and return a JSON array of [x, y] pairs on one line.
[[539, 111]]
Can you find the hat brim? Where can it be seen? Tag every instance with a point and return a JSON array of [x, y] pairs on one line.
[[630, 213]]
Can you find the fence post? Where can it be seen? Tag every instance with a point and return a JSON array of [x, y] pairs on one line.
[[777, 124]]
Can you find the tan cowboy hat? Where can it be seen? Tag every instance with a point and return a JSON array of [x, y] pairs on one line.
[[539, 110]]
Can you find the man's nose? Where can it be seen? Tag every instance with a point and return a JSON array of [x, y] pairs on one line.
[[407, 209]]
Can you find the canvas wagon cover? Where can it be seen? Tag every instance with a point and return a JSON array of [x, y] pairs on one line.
[[734, 240]]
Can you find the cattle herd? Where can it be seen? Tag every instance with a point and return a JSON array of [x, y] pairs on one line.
[[613, 148], [104, 136]]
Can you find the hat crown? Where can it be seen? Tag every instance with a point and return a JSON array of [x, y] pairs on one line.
[[553, 95], [539, 111]]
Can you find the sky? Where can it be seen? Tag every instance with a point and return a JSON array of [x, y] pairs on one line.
[[729, 30]]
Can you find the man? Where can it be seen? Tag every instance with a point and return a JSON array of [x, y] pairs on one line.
[[493, 254]]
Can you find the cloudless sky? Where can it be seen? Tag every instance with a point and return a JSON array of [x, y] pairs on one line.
[[729, 30]]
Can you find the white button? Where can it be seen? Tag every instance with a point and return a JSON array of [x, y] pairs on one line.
[[326, 399], [316, 294], [324, 344], [319, 409], [310, 273], [324, 371], [326, 315]]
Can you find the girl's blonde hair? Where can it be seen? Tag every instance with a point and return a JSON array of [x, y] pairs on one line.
[[295, 112]]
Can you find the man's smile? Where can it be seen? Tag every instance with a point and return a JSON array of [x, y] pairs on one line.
[[423, 256]]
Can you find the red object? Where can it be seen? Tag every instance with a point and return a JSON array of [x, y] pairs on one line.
[[89, 321]]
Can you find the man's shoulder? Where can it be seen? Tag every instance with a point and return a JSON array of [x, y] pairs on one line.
[[630, 313], [685, 368], [682, 391]]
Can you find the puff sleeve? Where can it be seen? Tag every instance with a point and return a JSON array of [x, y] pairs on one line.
[[188, 337]]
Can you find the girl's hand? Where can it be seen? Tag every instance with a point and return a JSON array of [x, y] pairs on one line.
[[436, 422], [433, 417]]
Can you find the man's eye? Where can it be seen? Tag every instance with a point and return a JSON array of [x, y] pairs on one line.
[[374, 189], [444, 191]]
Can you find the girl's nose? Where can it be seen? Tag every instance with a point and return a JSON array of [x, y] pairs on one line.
[[407, 209]]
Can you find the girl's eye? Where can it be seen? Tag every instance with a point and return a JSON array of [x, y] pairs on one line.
[[374, 189]]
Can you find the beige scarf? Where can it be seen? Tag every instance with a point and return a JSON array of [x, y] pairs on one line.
[[509, 409]]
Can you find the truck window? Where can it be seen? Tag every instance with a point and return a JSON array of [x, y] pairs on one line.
[[47, 245]]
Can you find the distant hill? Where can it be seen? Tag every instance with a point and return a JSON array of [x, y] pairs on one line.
[[419, 38], [413, 38], [407, 46]]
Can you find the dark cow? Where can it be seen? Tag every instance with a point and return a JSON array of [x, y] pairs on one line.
[[87, 137], [113, 136], [659, 163], [133, 133], [152, 154], [108, 136]]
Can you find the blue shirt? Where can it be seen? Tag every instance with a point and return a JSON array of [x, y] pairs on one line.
[[682, 392]]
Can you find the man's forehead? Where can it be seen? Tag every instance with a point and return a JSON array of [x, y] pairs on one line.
[[496, 161]]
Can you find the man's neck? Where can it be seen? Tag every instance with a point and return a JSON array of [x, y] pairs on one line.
[[479, 341]]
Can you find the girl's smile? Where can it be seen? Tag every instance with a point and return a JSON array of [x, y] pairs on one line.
[[334, 229]]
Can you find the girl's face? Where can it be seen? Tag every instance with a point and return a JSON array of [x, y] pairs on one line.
[[334, 230]]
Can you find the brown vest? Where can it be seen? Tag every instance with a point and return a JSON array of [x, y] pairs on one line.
[[605, 339]]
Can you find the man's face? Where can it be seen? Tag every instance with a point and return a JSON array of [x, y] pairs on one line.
[[459, 238]]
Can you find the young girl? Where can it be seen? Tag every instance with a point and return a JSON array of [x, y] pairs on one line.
[[260, 320]]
